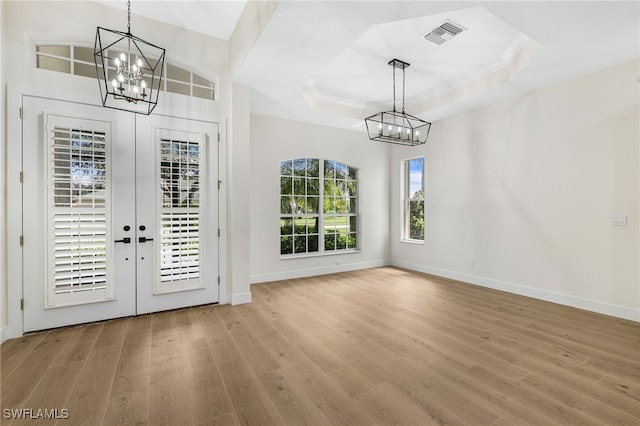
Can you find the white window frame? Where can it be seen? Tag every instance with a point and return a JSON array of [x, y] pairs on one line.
[[407, 199], [321, 215]]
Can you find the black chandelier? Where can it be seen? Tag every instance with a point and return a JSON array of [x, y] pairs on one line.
[[397, 127], [129, 69]]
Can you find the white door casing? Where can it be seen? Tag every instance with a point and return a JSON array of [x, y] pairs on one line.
[[94, 246]]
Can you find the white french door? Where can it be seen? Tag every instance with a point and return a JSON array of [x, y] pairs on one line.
[[177, 175], [119, 213]]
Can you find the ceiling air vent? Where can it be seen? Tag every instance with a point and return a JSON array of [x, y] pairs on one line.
[[444, 32]]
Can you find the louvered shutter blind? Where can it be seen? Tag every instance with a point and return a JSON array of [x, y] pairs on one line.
[[179, 210], [78, 216]]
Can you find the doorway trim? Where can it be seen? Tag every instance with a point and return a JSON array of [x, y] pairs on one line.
[[15, 160]]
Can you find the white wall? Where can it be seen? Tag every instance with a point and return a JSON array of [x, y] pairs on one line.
[[527, 188], [24, 23], [3, 190], [238, 184], [274, 140]]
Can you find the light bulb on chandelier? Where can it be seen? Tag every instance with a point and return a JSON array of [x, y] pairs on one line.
[[133, 67]]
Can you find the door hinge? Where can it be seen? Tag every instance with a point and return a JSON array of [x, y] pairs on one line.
[[218, 232], [21, 240], [219, 183], [22, 304], [218, 137], [21, 113], [218, 280], [21, 176]]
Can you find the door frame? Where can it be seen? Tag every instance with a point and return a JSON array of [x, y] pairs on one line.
[[15, 259]]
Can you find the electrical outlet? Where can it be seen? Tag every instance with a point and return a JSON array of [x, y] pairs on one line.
[[471, 263], [619, 220]]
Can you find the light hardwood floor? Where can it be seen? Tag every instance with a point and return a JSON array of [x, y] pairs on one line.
[[374, 347]]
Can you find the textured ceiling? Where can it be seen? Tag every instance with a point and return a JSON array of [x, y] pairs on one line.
[[326, 62]]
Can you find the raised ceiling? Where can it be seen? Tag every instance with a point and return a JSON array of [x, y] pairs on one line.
[[326, 61], [461, 66]]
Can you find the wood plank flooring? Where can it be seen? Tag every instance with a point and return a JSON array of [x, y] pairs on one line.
[[381, 346]]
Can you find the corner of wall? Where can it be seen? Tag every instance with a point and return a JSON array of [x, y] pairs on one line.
[[3, 187]]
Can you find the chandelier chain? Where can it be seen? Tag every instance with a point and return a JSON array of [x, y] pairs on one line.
[[129, 16], [403, 85], [394, 89]]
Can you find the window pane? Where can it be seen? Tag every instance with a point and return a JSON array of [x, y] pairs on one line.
[[286, 226], [313, 167], [313, 186], [313, 243], [352, 188], [200, 92], [329, 240], [285, 205], [416, 180], [84, 70], [341, 188], [286, 245], [54, 64], [299, 167], [313, 225], [299, 204], [286, 185], [299, 186], [286, 168], [329, 187], [353, 173], [176, 73], [84, 54], [312, 204], [300, 226], [352, 205], [416, 220], [329, 205], [341, 242], [201, 81], [342, 171], [329, 169], [182, 89], [342, 205], [63, 51], [300, 244]]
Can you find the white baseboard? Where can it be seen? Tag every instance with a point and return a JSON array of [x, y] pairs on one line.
[[311, 272], [241, 298], [617, 311], [7, 333]]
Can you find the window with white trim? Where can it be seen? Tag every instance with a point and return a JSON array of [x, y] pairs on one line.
[[78, 190], [318, 207], [79, 60], [413, 199]]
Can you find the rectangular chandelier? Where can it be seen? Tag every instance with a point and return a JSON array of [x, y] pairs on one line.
[[395, 126], [398, 128]]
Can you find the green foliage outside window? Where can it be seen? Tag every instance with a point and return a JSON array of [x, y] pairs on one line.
[[312, 190]]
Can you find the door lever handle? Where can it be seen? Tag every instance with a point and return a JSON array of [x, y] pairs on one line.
[[125, 240], [144, 239]]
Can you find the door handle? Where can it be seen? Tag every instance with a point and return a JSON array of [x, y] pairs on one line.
[[144, 239], [125, 240]]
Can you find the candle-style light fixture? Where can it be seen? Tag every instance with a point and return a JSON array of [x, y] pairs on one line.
[[397, 127], [129, 69]]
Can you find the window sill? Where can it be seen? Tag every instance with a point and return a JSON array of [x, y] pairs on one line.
[[416, 242], [326, 253]]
